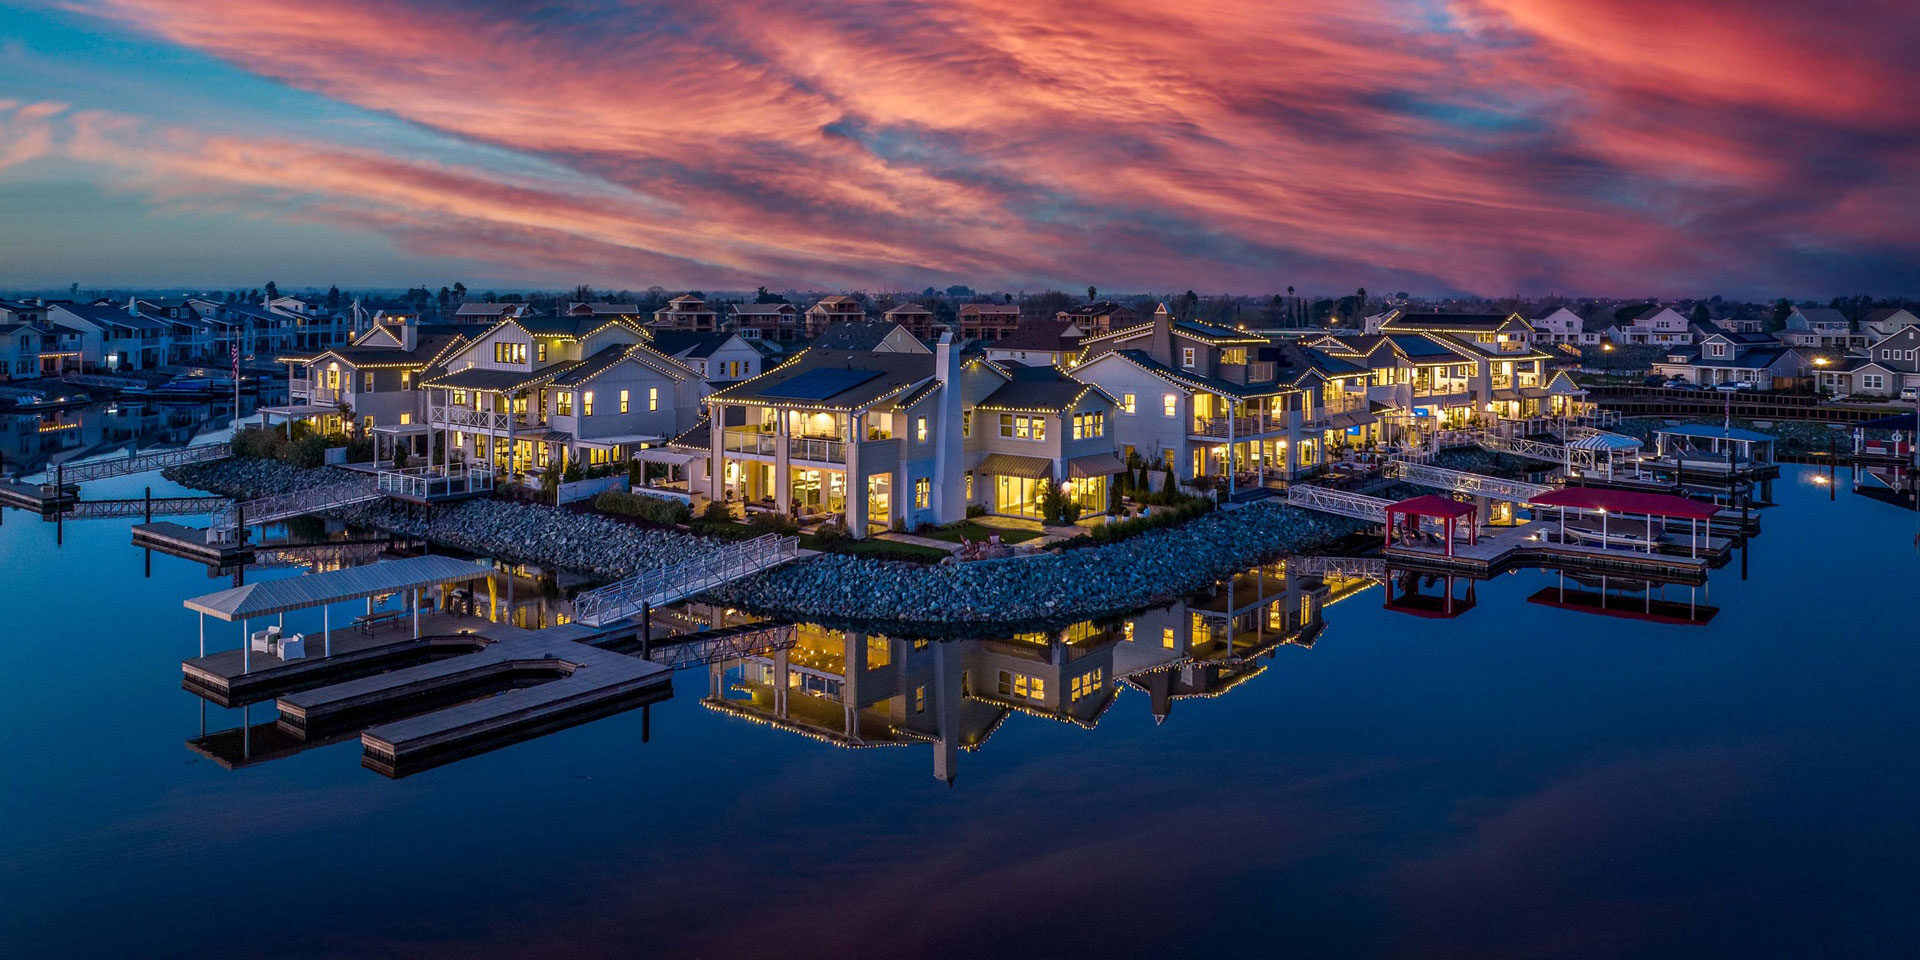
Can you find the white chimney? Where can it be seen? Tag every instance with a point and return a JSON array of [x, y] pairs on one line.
[[133, 307]]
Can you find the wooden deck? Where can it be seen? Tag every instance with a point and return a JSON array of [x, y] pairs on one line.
[[222, 678], [176, 540], [1520, 546]]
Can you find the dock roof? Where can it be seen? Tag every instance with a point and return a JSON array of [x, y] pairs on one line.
[[1626, 501], [1708, 432], [317, 589]]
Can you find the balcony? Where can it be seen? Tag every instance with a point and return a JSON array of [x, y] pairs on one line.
[[748, 441], [1242, 426], [458, 417], [817, 449]]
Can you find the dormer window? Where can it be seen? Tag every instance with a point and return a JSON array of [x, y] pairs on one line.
[[1233, 355], [1187, 357], [1716, 349]]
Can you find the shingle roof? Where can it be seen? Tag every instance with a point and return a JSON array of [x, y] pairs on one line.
[[689, 343], [764, 309], [894, 373], [1036, 388], [105, 314], [1038, 335], [1824, 315], [1444, 321]]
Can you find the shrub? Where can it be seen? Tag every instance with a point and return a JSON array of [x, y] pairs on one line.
[[830, 533], [360, 450], [400, 458], [308, 452], [661, 510], [778, 523], [1167, 488], [716, 511], [1190, 508], [976, 510]]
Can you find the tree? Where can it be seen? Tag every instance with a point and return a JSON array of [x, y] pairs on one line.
[[1781, 310], [1702, 317], [1187, 305], [1093, 293], [582, 294], [1274, 313], [1047, 303], [460, 291], [333, 297], [73, 290], [273, 290], [1009, 297], [445, 298]]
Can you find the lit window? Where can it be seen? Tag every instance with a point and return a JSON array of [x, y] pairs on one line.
[[623, 401], [653, 398], [1006, 424], [1166, 637], [920, 699], [540, 351], [366, 382], [1126, 403], [1186, 356], [586, 404], [405, 419], [966, 423], [1169, 405], [920, 430], [563, 403], [922, 493]]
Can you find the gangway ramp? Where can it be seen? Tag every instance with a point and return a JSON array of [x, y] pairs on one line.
[[673, 582], [132, 463], [1343, 503], [1460, 481], [299, 503]]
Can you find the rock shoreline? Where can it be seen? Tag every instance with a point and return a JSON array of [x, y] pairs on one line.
[[1157, 567]]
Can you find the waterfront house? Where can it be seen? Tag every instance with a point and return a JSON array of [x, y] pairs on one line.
[[1210, 401], [772, 322], [313, 324], [686, 312], [531, 391], [1029, 426], [1043, 342], [988, 321], [1655, 325], [836, 309], [870, 432], [1885, 369], [373, 383], [116, 338], [1750, 358], [1822, 328], [1507, 376], [19, 350]]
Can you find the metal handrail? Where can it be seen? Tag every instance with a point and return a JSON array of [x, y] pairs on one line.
[[286, 506], [140, 463], [1460, 481], [670, 582], [1338, 502]]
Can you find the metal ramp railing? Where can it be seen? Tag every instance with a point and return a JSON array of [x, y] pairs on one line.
[[1557, 453], [1460, 481], [66, 473], [670, 582], [1374, 568], [296, 504], [1339, 502], [158, 506], [727, 645]]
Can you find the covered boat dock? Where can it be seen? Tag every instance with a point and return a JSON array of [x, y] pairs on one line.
[[1629, 504]]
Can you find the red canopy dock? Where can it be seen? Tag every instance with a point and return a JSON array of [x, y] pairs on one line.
[[1608, 502], [1439, 507]]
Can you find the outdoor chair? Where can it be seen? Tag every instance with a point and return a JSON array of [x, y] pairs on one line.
[[294, 647]]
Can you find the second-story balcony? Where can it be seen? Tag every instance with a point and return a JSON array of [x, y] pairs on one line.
[[817, 449], [734, 440], [1242, 426], [458, 417]]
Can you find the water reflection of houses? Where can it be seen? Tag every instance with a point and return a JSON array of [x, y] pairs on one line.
[[30, 442], [868, 690]]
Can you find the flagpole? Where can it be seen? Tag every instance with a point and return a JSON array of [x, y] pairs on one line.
[[236, 390]]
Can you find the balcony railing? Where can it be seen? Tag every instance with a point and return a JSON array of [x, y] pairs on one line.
[[1242, 426], [747, 441], [464, 417], [817, 449], [428, 483]]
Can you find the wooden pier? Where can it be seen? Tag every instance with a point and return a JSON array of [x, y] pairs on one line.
[[1527, 545], [223, 678], [190, 543]]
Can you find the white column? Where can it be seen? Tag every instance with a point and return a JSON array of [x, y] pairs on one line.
[[416, 613], [246, 648], [326, 631], [203, 634]]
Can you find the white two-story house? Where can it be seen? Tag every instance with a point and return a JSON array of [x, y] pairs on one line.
[[1656, 325]]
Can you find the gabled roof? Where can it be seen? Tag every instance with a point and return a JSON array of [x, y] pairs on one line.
[[837, 303], [764, 309], [856, 335], [1210, 333], [603, 308], [682, 344], [489, 309], [862, 378], [576, 328], [909, 309], [602, 360], [426, 349], [1099, 308], [1447, 322], [1046, 335], [1192, 382], [105, 314], [992, 309], [1037, 388]]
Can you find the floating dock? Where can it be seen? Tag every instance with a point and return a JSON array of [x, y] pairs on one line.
[[1524, 546], [177, 540]]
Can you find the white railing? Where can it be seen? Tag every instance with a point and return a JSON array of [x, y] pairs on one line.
[[137, 463], [428, 483], [1349, 567], [464, 417], [1538, 450], [1339, 502], [817, 450], [748, 441], [670, 582], [1460, 481], [299, 503]]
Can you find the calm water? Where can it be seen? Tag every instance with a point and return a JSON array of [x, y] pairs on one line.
[[1517, 781]]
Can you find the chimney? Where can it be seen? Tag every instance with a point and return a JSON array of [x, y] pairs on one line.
[[949, 455], [1160, 344], [133, 307]]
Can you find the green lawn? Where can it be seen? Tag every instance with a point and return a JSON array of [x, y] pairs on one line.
[[878, 549], [978, 532]]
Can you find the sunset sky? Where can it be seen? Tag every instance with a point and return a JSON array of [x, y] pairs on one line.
[[1586, 147]]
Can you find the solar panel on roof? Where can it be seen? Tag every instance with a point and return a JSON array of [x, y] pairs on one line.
[[820, 384]]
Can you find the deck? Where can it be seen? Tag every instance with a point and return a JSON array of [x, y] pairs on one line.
[[1522, 545], [222, 677], [177, 540]]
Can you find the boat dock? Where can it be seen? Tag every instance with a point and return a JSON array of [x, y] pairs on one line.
[[1529, 544]]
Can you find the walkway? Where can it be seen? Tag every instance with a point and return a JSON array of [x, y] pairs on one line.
[[669, 583], [66, 473], [299, 503], [1341, 503], [1460, 481]]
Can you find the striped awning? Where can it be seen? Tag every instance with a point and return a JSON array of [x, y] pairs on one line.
[[1095, 465], [1014, 465], [317, 589]]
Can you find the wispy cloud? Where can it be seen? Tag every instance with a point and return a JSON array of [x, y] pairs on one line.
[[1490, 145]]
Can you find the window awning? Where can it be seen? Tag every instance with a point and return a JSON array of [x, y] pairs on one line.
[[1095, 465], [1014, 465]]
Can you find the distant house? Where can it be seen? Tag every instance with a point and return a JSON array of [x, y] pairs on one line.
[[1890, 365], [603, 309], [1099, 318], [1561, 325], [116, 338], [1821, 328], [717, 356], [685, 312], [838, 308], [917, 319], [1886, 322], [988, 321], [488, 313], [1038, 343], [1656, 325], [1750, 358], [772, 322]]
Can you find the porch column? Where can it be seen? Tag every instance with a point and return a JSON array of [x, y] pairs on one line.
[[246, 648], [782, 466], [716, 452], [1232, 411], [856, 483], [416, 613], [326, 630]]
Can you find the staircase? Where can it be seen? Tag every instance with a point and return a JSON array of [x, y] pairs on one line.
[[671, 582]]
